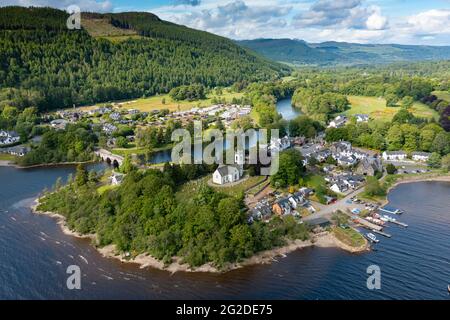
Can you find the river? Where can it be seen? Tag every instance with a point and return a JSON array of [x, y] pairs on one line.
[[34, 256], [284, 107]]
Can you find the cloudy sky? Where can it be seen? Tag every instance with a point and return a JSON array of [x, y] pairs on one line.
[[364, 21]]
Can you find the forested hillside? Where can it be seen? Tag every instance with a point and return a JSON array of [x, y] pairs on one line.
[[341, 53], [46, 65]]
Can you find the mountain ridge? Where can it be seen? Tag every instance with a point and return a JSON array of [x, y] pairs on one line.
[[300, 52]]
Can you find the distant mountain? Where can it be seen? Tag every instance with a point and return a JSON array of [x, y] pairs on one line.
[[341, 53], [114, 56]]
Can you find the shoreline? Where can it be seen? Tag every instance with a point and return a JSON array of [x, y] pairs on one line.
[[323, 240], [414, 179], [7, 163]]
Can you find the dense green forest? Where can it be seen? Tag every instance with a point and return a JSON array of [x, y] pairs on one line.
[[47, 66], [75, 144], [144, 215], [404, 132]]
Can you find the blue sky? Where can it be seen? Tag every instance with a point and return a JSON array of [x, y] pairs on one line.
[[363, 21]]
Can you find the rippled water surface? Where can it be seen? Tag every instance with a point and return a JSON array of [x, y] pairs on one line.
[[34, 255]]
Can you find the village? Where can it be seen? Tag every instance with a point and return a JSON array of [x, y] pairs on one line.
[[338, 171]]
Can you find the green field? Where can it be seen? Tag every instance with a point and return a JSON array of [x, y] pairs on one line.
[[7, 157], [156, 102], [349, 236], [238, 189], [444, 95], [376, 108], [192, 187]]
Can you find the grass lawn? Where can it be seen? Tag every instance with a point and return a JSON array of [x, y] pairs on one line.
[[128, 151], [315, 181], [349, 236], [184, 195], [444, 95], [236, 190], [376, 108], [7, 157], [156, 102], [137, 150], [105, 188]]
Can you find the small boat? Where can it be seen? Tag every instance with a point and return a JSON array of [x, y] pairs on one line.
[[372, 237], [392, 210], [448, 288], [384, 219], [390, 219]]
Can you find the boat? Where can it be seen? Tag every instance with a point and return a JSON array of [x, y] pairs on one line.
[[448, 288], [392, 210], [384, 219], [372, 237], [388, 218]]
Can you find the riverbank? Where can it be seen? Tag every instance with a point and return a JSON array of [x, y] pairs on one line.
[[5, 163], [412, 179], [323, 240]]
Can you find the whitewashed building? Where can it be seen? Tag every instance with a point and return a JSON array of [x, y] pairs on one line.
[[338, 122], [394, 155], [420, 156], [362, 117], [230, 173]]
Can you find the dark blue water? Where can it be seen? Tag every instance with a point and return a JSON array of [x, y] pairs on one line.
[[34, 255], [284, 107]]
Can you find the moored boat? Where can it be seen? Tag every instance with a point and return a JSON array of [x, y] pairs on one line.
[[372, 237]]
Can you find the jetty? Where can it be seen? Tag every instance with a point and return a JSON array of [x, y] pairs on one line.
[[367, 224], [384, 234], [401, 224], [391, 210]]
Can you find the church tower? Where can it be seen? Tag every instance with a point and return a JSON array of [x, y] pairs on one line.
[[239, 160]]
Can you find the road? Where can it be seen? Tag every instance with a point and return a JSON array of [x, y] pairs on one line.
[[341, 205]]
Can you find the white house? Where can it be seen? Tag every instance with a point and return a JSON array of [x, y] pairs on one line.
[[18, 151], [296, 200], [59, 124], [8, 137], [280, 144], [339, 187], [226, 174], [116, 178], [338, 122], [362, 117], [420, 156], [394, 155], [230, 173]]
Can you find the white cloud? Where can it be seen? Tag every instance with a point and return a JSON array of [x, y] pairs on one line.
[[430, 22], [376, 21], [236, 19]]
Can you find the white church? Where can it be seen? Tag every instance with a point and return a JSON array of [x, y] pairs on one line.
[[230, 173]]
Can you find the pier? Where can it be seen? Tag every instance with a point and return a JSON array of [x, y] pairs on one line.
[[384, 234], [402, 224]]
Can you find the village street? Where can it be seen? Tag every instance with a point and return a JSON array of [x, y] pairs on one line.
[[342, 205]]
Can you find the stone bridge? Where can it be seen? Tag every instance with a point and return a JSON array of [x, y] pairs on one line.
[[113, 159]]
